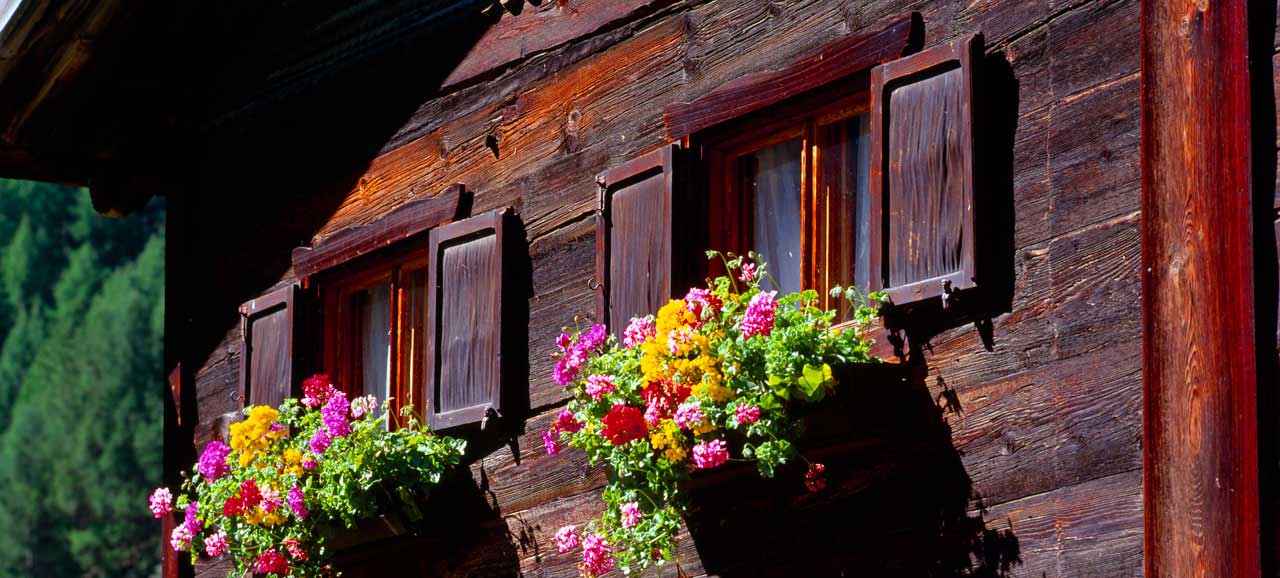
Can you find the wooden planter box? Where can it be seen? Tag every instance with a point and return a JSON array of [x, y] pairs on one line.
[[897, 499]]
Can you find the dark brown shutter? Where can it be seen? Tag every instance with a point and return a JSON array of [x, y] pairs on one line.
[[634, 229], [268, 338], [464, 321], [922, 173]]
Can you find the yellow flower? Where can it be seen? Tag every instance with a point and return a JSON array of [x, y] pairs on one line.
[[254, 435], [292, 462]]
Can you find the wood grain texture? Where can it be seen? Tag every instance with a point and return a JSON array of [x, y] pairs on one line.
[[1199, 363], [922, 174], [633, 237], [1051, 412], [267, 347], [539, 28], [405, 221], [465, 321], [759, 90]]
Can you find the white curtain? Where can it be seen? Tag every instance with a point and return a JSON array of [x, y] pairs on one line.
[[375, 333], [776, 223]]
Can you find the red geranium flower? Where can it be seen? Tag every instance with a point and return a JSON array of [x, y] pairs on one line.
[[624, 423]]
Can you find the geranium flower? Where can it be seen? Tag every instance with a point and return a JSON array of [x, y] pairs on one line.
[[597, 558], [294, 546], [710, 454], [319, 441], [622, 424], [599, 386], [700, 302], [566, 539], [213, 461], [271, 500], [566, 422], [216, 544], [689, 415], [334, 415], [639, 330], [550, 443], [814, 480], [316, 390], [180, 538], [189, 519], [593, 338], [297, 503], [362, 405], [271, 562], [630, 514], [310, 464], [748, 273], [161, 502], [747, 413], [758, 319]]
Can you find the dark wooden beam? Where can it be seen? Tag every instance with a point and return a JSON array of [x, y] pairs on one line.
[[1200, 387], [756, 91], [406, 221]]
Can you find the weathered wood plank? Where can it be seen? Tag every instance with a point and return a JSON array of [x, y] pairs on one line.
[[1199, 363], [539, 28], [758, 90], [405, 221]]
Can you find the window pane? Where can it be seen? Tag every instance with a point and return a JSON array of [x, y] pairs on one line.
[[772, 176], [374, 316], [845, 181], [415, 335]]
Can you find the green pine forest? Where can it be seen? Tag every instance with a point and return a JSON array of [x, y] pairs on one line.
[[81, 371]]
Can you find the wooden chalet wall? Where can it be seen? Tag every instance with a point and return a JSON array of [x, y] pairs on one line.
[[1032, 469]]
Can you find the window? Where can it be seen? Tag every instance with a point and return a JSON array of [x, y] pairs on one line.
[[853, 166], [791, 183], [372, 344]]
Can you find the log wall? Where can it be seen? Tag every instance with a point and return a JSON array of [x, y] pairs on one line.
[[1031, 468]]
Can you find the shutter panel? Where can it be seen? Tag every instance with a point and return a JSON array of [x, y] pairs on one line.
[[464, 321], [634, 227], [268, 338], [922, 173]]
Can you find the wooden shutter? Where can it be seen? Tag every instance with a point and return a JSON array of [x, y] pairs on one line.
[[634, 229], [464, 321], [268, 338], [922, 173]]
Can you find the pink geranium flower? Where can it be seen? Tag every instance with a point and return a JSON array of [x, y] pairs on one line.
[[550, 443], [566, 539], [747, 414], [710, 454], [630, 514], [161, 503], [758, 319], [689, 415], [213, 461], [639, 330], [216, 544], [599, 386], [597, 557]]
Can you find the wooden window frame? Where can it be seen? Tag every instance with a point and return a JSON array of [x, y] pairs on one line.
[[354, 259], [729, 215], [340, 326]]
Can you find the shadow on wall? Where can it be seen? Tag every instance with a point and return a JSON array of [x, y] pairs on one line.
[[898, 502], [463, 535]]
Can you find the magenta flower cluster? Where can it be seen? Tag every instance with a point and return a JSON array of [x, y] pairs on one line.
[[161, 503], [599, 386], [747, 414], [216, 544], [639, 330], [758, 319], [334, 413], [213, 461], [710, 454], [566, 539], [597, 557], [565, 422], [689, 415], [630, 514], [297, 503], [573, 354], [319, 441]]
